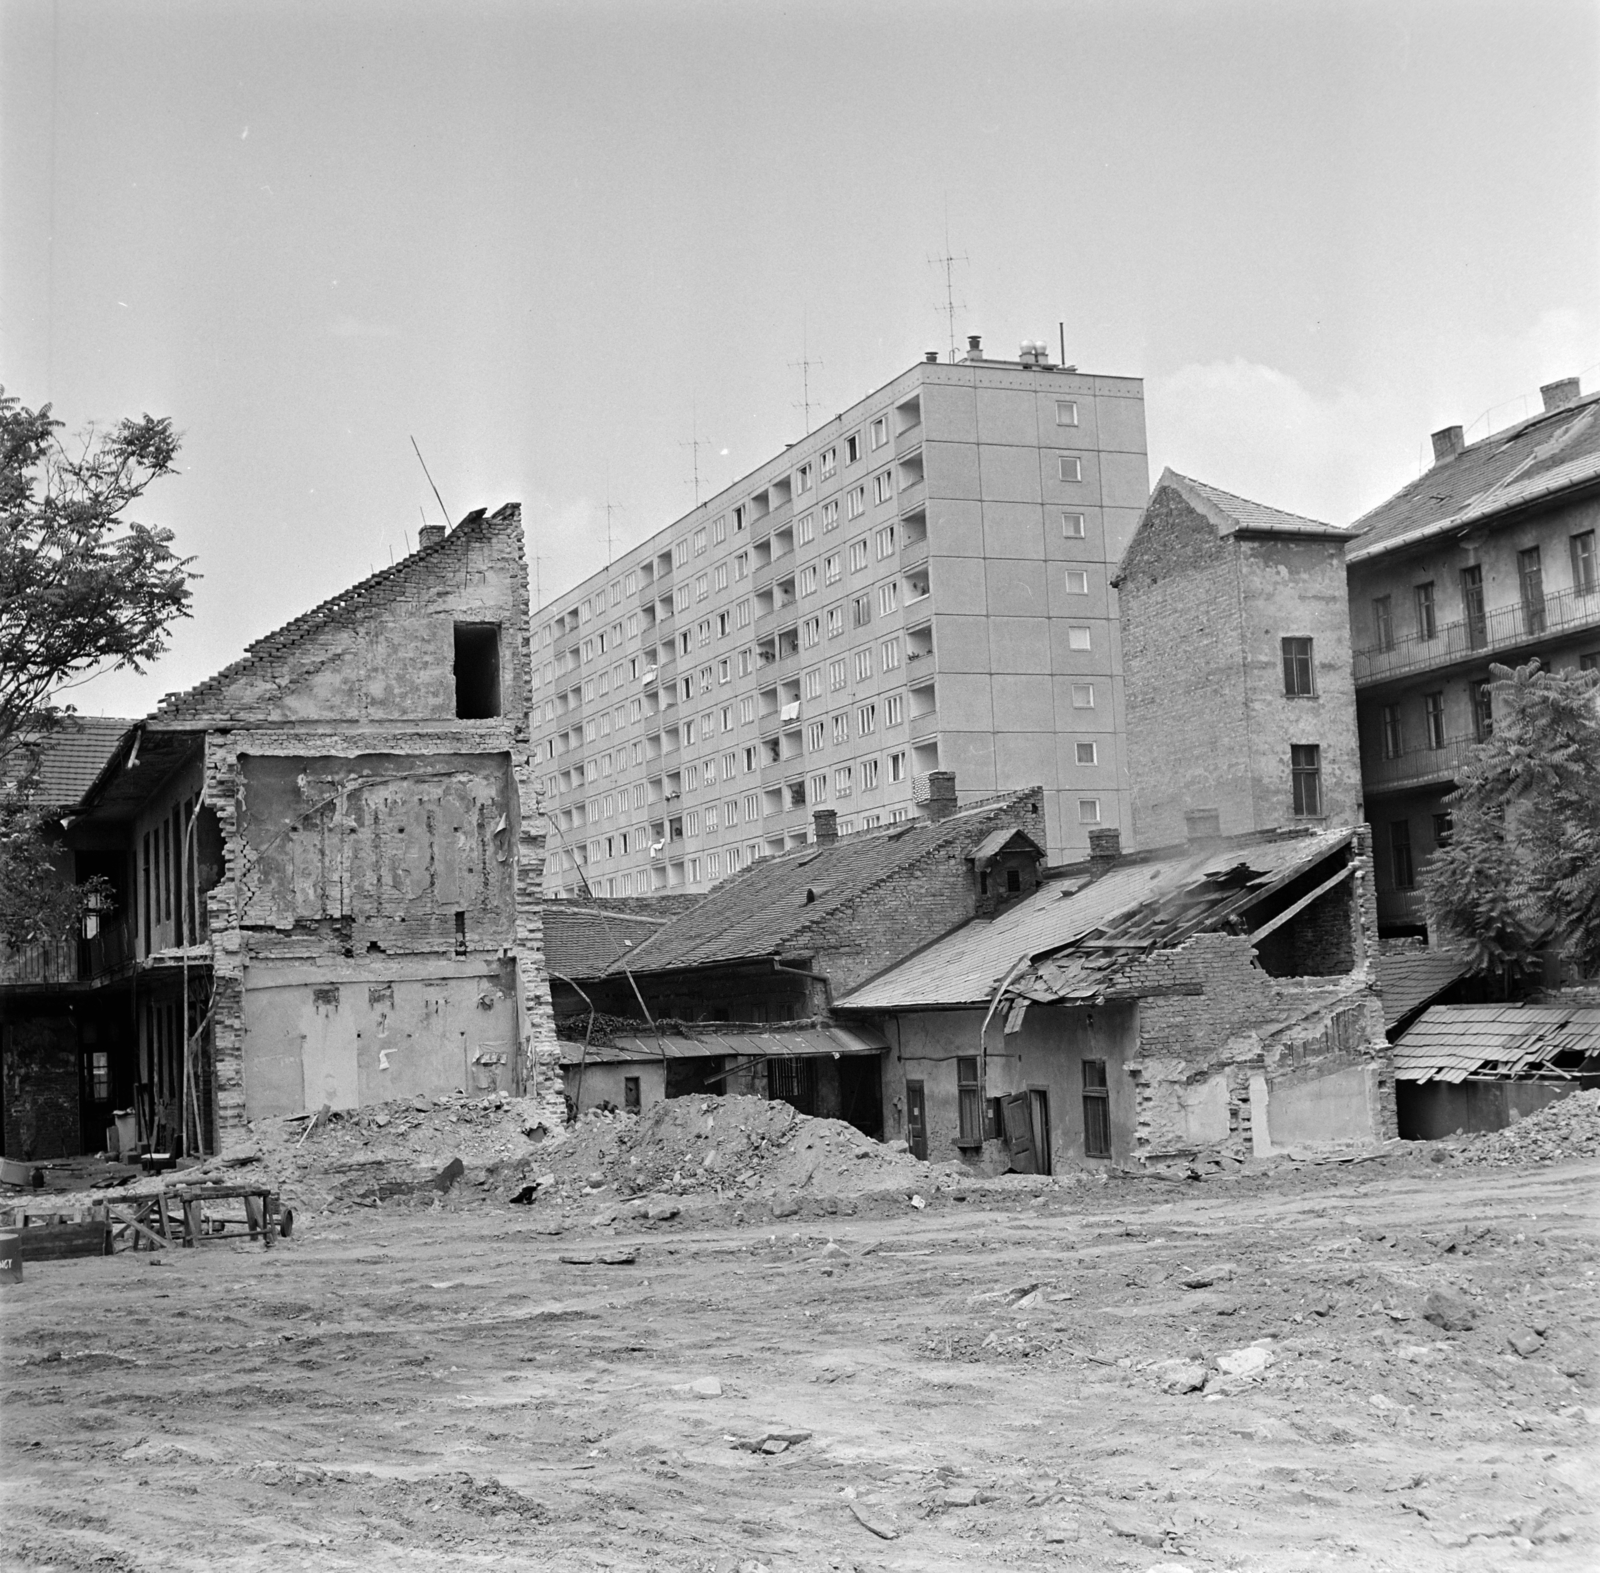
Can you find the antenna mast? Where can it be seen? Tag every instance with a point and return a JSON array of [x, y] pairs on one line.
[[437, 498], [948, 262], [803, 366], [694, 445]]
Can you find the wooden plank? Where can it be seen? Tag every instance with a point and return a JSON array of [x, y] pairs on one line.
[[51, 1242], [1304, 902]]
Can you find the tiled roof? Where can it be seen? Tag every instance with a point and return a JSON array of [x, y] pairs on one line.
[[580, 941], [768, 908], [1542, 456], [1157, 899], [374, 590], [1232, 514], [72, 756], [1408, 979], [1453, 1042]]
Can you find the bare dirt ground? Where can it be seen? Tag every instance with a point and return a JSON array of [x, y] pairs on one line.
[[984, 1379]]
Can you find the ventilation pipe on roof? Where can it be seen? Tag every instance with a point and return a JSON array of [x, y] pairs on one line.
[[974, 346], [1558, 395], [1447, 443]]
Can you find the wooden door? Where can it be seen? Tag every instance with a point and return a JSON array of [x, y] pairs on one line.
[[1039, 1120], [916, 1119], [1019, 1132]]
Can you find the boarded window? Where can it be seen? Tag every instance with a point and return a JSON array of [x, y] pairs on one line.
[[477, 671]]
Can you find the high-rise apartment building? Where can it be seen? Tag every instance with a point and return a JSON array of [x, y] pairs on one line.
[[922, 584]]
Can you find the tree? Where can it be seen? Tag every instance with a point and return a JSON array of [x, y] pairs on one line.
[[83, 587], [1522, 869]]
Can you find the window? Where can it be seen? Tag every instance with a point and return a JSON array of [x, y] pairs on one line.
[[897, 767], [1383, 621], [861, 611], [838, 676], [886, 542], [832, 568], [810, 633], [816, 736], [730, 760], [1393, 743], [829, 462], [1584, 579], [702, 587], [855, 502], [1069, 467], [1087, 754], [1072, 526], [1530, 576], [738, 518], [866, 720], [835, 621], [741, 565], [1441, 830], [888, 597], [1088, 811], [680, 553], [830, 516], [630, 586], [882, 487], [686, 641], [1400, 862], [680, 598], [844, 781], [805, 530], [719, 576], [890, 652], [969, 1101], [1077, 581], [477, 671], [719, 528], [1472, 607], [724, 624], [1096, 1110], [633, 625], [1083, 696], [1066, 412], [745, 659], [858, 556], [841, 728], [807, 584], [1297, 668], [1433, 713], [894, 707], [1305, 771], [802, 480], [1427, 620], [852, 447], [1482, 710], [1078, 636], [699, 542], [863, 665], [869, 776], [747, 709], [879, 432], [818, 786]]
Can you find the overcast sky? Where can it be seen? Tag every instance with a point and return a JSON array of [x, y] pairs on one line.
[[553, 241]]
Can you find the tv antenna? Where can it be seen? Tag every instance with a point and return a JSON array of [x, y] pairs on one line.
[[947, 262], [437, 498], [803, 366], [611, 508], [694, 445]]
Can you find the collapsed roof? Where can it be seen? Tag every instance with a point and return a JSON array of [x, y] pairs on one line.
[[1503, 1042]]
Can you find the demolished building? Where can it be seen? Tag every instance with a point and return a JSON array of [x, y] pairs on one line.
[[325, 864], [1214, 999]]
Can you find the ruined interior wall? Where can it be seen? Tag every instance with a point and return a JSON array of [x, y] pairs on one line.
[[539, 1069]]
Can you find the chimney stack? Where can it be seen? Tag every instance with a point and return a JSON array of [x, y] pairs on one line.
[[429, 535], [974, 346], [931, 356], [1558, 395], [1447, 444], [825, 827], [941, 802], [1105, 847]]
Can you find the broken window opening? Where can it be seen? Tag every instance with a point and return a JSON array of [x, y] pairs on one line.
[[461, 933], [477, 670]]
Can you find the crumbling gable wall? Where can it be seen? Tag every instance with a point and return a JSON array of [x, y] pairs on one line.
[[1234, 1060]]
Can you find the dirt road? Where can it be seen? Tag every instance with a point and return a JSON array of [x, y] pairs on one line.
[[436, 1389]]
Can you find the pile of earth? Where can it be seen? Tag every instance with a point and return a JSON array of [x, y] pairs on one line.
[[1567, 1128]]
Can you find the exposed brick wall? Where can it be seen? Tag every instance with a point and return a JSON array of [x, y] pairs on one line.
[[540, 1072]]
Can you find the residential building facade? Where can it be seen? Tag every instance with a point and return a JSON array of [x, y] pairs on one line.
[[1490, 556], [921, 585]]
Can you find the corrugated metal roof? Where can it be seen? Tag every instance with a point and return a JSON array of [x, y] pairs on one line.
[[1408, 979], [1548, 453], [1453, 1042], [966, 967], [778, 1044]]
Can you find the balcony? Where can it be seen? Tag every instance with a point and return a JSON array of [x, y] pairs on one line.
[[913, 553], [1402, 909], [1501, 631], [925, 725], [1417, 768], [52, 963]]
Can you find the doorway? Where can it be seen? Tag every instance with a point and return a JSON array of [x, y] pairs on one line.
[[916, 1120], [1039, 1120]]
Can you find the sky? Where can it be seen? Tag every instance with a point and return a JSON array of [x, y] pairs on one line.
[[556, 244]]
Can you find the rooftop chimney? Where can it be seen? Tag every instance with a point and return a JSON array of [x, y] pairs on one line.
[[1558, 395], [1447, 444], [931, 356], [1105, 847], [429, 535], [941, 802], [974, 346], [825, 827]]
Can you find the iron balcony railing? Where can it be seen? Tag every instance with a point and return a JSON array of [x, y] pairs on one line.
[[1499, 629], [1417, 767]]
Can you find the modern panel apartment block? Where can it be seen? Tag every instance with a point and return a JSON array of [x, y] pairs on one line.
[[1489, 556], [922, 584]]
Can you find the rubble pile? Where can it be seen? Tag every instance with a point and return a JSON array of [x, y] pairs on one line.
[[1568, 1128], [727, 1147]]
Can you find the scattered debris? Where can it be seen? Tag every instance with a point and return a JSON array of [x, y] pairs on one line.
[[599, 1258], [1568, 1128], [1449, 1312]]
